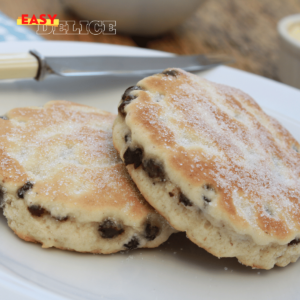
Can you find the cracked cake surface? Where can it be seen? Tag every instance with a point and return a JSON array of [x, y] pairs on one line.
[[63, 184], [214, 165]]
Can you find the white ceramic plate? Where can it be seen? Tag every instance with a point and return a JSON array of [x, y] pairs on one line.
[[176, 270]]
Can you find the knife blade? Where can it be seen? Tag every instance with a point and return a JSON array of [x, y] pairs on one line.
[[35, 65]]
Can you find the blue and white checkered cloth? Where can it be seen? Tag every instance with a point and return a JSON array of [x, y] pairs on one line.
[[10, 31]]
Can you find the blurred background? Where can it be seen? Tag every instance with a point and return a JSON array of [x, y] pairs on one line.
[[245, 30]]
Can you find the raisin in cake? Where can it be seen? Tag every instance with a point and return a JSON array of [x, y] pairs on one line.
[[214, 165]]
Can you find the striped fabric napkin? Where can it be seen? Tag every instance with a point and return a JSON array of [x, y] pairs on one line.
[[10, 31]]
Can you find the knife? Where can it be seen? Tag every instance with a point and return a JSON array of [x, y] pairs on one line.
[[35, 65]]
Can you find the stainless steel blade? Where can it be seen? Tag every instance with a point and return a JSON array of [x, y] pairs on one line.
[[127, 65]]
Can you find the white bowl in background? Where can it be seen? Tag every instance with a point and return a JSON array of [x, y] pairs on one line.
[[136, 17], [289, 56]]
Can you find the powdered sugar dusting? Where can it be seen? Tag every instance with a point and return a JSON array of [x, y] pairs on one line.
[[222, 136], [66, 150]]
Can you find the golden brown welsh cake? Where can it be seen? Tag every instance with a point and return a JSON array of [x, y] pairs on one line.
[[64, 185], [214, 165]]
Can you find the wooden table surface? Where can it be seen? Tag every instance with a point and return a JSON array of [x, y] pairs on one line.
[[243, 29]]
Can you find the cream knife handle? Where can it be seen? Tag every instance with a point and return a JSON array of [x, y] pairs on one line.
[[18, 65]]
